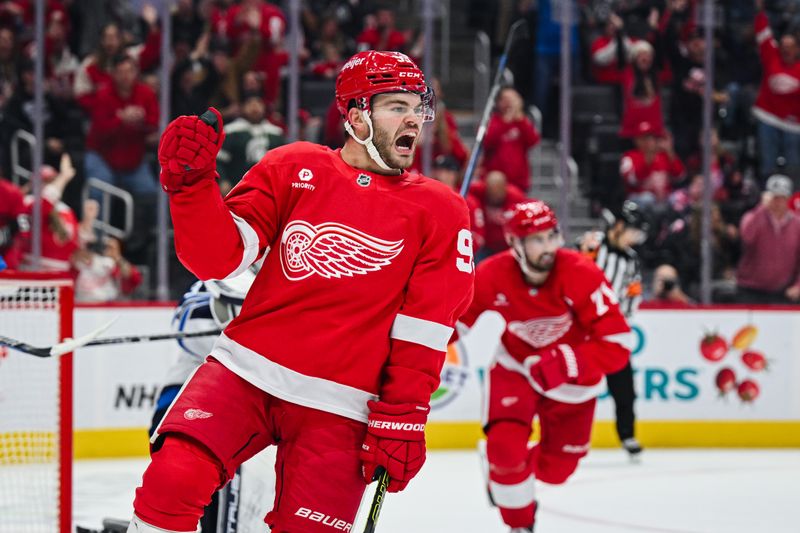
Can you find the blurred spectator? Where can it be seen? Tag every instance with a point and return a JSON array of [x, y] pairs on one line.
[[446, 139], [95, 70], [59, 224], [61, 65], [737, 195], [509, 136], [605, 50], [770, 265], [723, 162], [494, 195], [60, 132], [687, 60], [122, 115], [548, 52], [329, 63], [87, 235], [247, 139], [681, 249], [331, 42], [666, 289], [104, 277], [8, 64], [651, 170], [777, 108], [12, 220], [641, 97], [382, 34], [448, 171]]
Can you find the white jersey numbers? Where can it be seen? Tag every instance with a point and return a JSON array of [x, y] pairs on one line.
[[599, 297], [464, 260]]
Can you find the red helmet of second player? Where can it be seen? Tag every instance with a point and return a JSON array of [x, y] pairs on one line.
[[369, 73], [529, 217]]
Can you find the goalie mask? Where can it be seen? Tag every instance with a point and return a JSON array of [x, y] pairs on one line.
[[227, 295], [369, 73]]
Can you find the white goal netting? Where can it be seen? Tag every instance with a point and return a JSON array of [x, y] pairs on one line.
[[35, 408]]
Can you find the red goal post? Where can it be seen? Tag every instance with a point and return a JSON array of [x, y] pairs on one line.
[[36, 402]]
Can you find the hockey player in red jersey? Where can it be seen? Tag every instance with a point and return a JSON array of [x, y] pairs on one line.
[[563, 333], [341, 338]]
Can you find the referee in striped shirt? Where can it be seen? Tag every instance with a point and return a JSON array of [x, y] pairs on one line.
[[613, 252]]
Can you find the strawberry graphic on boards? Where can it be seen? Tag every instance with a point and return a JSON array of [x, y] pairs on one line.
[[754, 360], [748, 390], [726, 381], [713, 347]]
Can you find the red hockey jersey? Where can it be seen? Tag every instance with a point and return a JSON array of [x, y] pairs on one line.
[[574, 306], [778, 101], [359, 295]]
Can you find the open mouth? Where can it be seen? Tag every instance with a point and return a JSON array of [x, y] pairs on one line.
[[405, 143]]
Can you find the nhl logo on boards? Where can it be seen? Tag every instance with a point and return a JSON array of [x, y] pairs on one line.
[[364, 180], [305, 175]]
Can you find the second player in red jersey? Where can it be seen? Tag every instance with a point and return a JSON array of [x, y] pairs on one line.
[[564, 331]]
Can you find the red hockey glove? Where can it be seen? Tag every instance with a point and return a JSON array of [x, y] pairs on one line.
[[396, 441], [553, 367], [188, 149]]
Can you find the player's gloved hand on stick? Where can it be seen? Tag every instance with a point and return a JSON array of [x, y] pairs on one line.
[[188, 149], [553, 367], [396, 441]]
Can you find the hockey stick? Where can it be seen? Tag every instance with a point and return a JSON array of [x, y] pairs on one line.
[[518, 30], [377, 500], [91, 339]]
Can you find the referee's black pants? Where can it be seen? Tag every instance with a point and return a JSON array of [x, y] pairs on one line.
[[620, 386]]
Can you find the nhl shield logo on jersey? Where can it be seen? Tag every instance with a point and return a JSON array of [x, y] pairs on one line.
[[332, 250], [453, 376], [364, 180]]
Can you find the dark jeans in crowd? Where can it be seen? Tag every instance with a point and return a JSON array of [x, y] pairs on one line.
[[747, 295]]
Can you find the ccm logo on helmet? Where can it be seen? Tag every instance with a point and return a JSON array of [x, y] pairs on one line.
[[403, 74], [397, 426], [328, 520]]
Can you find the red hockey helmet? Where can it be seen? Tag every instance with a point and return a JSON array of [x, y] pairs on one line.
[[369, 73], [529, 217]]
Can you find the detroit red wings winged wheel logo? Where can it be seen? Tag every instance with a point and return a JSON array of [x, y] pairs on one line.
[[541, 332], [332, 250]]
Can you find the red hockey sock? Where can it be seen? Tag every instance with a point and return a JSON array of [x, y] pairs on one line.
[[511, 472], [178, 484]]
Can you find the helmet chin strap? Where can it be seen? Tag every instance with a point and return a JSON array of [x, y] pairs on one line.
[[367, 143]]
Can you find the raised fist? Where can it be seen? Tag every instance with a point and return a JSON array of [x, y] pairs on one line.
[[188, 150]]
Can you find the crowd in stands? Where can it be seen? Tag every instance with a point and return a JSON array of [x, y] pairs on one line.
[[638, 74], [101, 109]]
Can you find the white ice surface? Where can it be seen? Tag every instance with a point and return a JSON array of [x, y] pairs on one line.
[[670, 491]]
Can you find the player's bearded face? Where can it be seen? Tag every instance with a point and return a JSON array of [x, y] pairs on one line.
[[540, 249], [397, 123]]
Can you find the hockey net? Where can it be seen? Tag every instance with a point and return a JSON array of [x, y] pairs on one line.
[[35, 406]]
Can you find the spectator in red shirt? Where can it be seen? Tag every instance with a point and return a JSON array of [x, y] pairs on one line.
[[509, 136], [12, 210], [777, 107], [95, 70], [382, 35], [605, 52], [651, 170], [769, 270], [107, 276], [122, 116], [495, 196], [641, 98], [59, 223]]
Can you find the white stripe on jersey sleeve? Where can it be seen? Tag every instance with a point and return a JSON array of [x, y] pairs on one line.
[[425, 332], [250, 243], [626, 340]]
